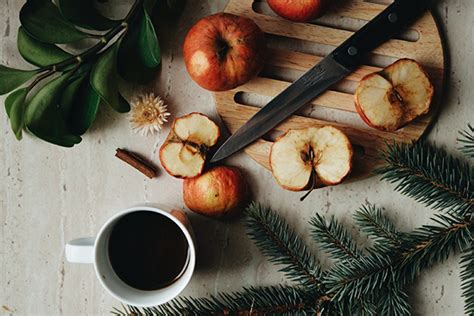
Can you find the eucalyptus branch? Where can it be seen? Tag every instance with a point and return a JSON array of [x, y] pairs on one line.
[[45, 74], [104, 40]]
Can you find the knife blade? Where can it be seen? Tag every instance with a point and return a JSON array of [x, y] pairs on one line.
[[333, 68]]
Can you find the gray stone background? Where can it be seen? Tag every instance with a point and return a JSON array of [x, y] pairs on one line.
[[50, 195]]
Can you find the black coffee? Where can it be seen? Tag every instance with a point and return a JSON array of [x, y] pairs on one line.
[[148, 251]]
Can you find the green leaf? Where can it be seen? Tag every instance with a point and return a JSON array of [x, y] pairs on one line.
[[131, 65], [42, 19], [43, 117], [11, 78], [79, 104], [104, 79], [83, 13], [39, 53], [15, 104], [148, 42]]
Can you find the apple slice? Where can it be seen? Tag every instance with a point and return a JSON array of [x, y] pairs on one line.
[[183, 154], [413, 85], [394, 97], [378, 103], [323, 155]]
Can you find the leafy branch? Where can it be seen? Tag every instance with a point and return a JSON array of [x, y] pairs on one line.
[[430, 176], [251, 301], [64, 108], [361, 282]]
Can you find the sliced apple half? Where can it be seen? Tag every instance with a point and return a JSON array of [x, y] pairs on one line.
[[394, 97], [183, 155], [299, 157]]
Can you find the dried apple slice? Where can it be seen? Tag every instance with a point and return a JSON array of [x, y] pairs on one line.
[[394, 97], [378, 104], [299, 155], [413, 85], [183, 155]]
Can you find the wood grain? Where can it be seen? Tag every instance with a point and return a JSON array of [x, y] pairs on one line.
[[427, 50]]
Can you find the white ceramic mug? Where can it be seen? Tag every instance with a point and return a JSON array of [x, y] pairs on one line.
[[95, 251]]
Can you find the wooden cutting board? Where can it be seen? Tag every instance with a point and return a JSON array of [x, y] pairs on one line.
[[310, 42]]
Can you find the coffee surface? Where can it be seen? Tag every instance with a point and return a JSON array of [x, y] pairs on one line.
[[147, 250]]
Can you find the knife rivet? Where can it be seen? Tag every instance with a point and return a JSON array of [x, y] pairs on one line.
[[352, 51], [393, 17]]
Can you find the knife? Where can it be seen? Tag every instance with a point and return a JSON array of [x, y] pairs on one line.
[[336, 66]]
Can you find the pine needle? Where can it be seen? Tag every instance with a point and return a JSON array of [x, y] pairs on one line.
[[283, 246], [426, 246], [467, 277], [374, 223], [277, 300], [430, 176], [467, 141], [334, 238], [394, 302]]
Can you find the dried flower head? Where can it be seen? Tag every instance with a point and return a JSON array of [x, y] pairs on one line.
[[149, 113]]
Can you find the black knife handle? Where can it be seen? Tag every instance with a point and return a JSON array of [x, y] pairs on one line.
[[383, 27]]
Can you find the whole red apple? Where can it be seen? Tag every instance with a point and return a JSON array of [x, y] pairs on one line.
[[224, 51], [297, 10], [221, 191]]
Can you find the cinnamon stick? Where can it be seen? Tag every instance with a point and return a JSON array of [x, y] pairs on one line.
[[137, 162]]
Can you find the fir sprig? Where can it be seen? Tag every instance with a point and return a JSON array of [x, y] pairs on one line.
[[276, 300], [426, 246], [467, 141], [282, 246], [334, 238], [430, 176], [394, 301], [467, 276], [375, 224]]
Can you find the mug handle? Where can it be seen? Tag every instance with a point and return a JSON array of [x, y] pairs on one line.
[[80, 250]]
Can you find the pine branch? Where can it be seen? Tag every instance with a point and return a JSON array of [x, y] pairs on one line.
[[425, 247], [467, 141], [394, 302], [430, 176], [334, 238], [467, 277], [282, 246], [276, 300], [374, 223]]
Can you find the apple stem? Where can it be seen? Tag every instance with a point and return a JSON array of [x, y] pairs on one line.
[[222, 48], [310, 157]]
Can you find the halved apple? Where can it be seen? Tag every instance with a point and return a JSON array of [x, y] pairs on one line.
[[319, 155], [394, 97], [183, 154]]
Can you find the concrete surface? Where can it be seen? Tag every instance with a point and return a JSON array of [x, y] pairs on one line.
[[50, 195]]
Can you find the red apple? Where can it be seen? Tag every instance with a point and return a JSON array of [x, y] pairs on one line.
[[297, 10], [221, 191], [224, 51]]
